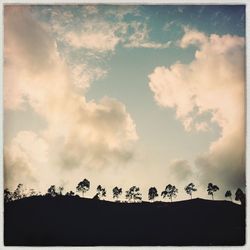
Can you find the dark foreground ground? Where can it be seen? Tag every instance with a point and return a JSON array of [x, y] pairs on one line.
[[73, 221]]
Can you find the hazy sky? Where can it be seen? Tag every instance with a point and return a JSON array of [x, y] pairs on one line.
[[124, 95]]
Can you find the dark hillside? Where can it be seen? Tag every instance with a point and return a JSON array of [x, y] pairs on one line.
[[74, 221]]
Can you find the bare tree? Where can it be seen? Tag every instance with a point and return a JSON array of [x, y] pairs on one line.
[[211, 188], [152, 193], [170, 192], [190, 188]]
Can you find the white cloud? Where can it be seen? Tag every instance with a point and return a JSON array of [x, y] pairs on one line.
[[83, 75], [192, 37], [119, 12], [99, 34], [150, 45], [25, 159], [102, 36], [213, 82], [100, 40], [79, 134], [140, 38]]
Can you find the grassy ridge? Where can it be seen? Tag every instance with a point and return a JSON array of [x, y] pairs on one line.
[[74, 221]]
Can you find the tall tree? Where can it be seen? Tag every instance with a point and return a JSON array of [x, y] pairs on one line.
[[19, 192], [228, 194], [83, 186], [8, 196], [170, 192], [152, 193], [117, 192], [133, 194], [101, 192], [52, 191], [190, 188], [211, 188]]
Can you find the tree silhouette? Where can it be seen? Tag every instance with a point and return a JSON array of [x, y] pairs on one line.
[[170, 191], [83, 186], [117, 192], [190, 188], [133, 194], [101, 192], [152, 193], [32, 192], [240, 196], [60, 189], [8, 196], [228, 194], [19, 192], [70, 193], [52, 191], [211, 188]]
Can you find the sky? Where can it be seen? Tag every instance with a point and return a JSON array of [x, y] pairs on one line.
[[124, 95]]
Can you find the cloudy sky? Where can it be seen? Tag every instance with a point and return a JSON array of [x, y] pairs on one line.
[[124, 95]]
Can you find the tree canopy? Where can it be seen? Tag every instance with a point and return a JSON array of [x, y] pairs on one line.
[[190, 188], [211, 188], [101, 192], [116, 192], [83, 186], [170, 192], [133, 194], [152, 193], [228, 194]]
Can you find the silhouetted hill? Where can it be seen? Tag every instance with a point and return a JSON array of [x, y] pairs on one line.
[[74, 221]]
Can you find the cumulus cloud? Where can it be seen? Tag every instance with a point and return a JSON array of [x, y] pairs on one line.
[[192, 37], [79, 133], [25, 159], [213, 82]]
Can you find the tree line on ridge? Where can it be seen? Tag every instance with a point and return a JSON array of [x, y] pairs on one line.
[[131, 195]]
